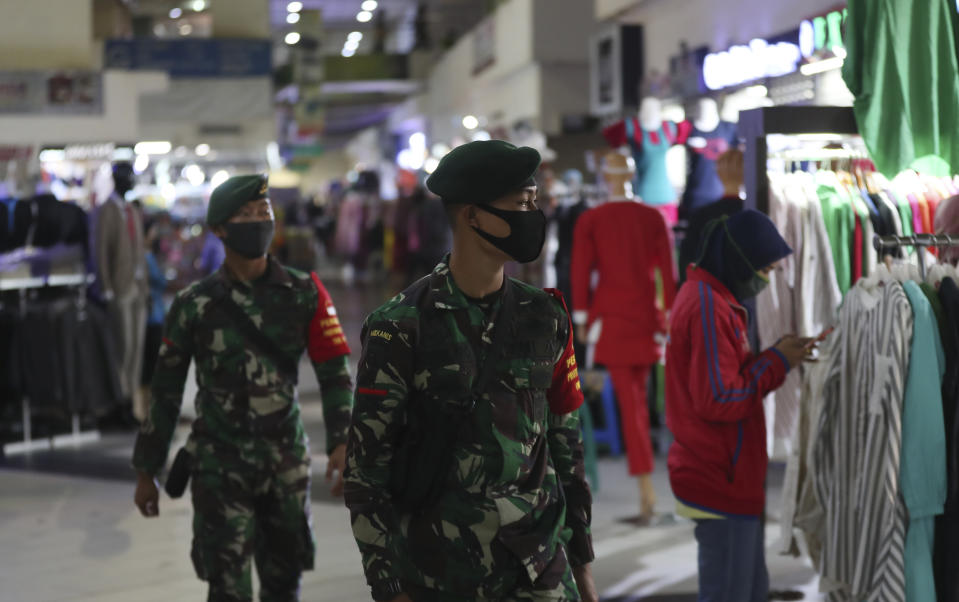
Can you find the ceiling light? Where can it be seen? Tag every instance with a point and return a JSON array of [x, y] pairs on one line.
[[141, 164], [821, 66], [352, 44], [194, 174], [369, 5], [52, 155], [198, 5], [175, 13], [219, 177], [470, 122], [292, 18], [202, 150], [364, 16], [292, 38], [186, 29], [355, 35], [159, 147], [294, 7], [348, 52]]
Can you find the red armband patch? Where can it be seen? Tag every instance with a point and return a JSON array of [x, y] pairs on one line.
[[565, 394], [326, 338]]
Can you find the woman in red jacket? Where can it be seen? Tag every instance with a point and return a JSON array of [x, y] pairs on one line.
[[715, 386]]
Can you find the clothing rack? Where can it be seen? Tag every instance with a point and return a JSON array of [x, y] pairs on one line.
[[76, 436], [919, 241], [756, 124]]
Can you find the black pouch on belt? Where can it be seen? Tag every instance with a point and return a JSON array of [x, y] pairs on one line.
[[179, 475]]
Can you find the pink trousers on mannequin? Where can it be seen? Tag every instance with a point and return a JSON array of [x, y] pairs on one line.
[[630, 382]]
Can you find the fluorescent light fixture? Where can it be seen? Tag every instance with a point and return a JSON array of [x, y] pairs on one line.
[[52, 155], [355, 35], [418, 141], [292, 38], [348, 52], [176, 13], [369, 5], [141, 164], [470, 122], [821, 66], [219, 177], [157, 147], [431, 164], [292, 18], [364, 16], [198, 5], [351, 45], [194, 174], [202, 150], [294, 7]]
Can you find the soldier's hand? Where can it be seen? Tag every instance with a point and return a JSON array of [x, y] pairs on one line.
[[147, 496], [584, 583], [337, 464]]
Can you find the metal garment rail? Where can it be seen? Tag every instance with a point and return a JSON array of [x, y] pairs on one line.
[[76, 436], [920, 241]]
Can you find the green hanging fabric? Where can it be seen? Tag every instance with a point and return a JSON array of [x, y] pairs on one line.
[[902, 67]]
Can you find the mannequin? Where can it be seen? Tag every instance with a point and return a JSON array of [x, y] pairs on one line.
[[627, 243], [650, 138], [709, 138], [119, 254]]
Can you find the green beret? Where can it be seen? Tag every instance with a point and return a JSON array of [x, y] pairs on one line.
[[483, 171], [227, 198]]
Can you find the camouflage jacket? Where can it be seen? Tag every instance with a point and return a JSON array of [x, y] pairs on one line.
[[242, 395], [518, 497]]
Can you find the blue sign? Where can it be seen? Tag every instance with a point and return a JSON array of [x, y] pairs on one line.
[[192, 58]]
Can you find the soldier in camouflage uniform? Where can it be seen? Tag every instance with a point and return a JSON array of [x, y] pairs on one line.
[[251, 460], [512, 519]]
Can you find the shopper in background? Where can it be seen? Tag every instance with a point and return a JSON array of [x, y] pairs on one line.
[[155, 314], [213, 253], [246, 327], [715, 386], [490, 500], [730, 169]]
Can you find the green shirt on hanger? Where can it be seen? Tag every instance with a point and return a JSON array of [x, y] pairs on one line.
[[837, 213], [901, 66]]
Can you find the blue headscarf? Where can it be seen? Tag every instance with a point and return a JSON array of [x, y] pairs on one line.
[[738, 246]]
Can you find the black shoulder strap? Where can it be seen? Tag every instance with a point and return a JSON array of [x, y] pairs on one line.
[[497, 343], [285, 364]]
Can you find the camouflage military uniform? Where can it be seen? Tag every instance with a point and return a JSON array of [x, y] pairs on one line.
[[515, 513], [251, 474]]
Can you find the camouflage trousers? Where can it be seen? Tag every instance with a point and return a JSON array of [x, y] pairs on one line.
[[511, 584], [251, 503]]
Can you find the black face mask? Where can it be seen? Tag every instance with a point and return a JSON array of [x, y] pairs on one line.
[[249, 239], [527, 233]]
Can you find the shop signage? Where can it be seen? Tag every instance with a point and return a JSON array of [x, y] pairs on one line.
[[822, 34], [617, 65], [192, 58], [757, 60], [51, 92], [81, 152]]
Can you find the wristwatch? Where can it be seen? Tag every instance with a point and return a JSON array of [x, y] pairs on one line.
[[386, 589]]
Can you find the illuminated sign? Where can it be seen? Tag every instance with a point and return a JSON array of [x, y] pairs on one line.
[[822, 34], [742, 64]]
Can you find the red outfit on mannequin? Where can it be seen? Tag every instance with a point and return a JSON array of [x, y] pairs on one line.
[[627, 243]]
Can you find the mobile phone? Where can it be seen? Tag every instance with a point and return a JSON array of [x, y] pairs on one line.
[[822, 337]]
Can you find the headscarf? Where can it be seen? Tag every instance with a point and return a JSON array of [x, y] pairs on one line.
[[947, 222], [738, 246]]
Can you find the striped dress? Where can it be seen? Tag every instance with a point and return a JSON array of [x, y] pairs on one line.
[[856, 453]]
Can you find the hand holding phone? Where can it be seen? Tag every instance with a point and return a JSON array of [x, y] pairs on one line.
[[822, 337]]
